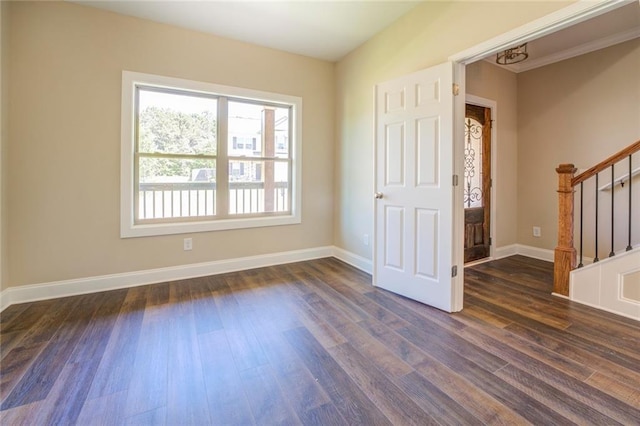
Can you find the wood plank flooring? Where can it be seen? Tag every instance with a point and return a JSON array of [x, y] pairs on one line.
[[314, 343]]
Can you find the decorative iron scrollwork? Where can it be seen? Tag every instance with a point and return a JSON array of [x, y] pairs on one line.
[[473, 163]]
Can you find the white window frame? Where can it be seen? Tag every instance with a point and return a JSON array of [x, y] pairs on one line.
[[128, 226]]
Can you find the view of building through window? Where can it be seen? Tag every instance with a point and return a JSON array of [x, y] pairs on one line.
[[258, 164], [182, 172]]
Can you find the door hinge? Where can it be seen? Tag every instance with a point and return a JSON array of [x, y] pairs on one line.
[[490, 183], [456, 89], [491, 124], [455, 180], [454, 271], [490, 241]]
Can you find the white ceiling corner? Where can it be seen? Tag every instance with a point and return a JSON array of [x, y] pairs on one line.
[[320, 29]]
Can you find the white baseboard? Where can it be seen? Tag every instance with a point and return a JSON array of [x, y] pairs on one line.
[[535, 252], [540, 253], [353, 259], [505, 251], [478, 262], [529, 251], [366, 265], [52, 290]]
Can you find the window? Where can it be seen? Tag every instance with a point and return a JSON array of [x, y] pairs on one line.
[[203, 157], [242, 143]]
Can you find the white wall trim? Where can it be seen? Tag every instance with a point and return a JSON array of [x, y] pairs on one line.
[[535, 252], [52, 290], [524, 250], [74, 287], [505, 251], [357, 261]]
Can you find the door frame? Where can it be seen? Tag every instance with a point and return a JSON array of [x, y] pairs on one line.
[[493, 106], [563, 18]]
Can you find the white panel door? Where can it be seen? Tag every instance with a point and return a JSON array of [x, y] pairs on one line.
[[414, 206]]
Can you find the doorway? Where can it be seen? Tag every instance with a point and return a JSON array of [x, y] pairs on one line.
[[559, 20], [450, 285], [477, 182]]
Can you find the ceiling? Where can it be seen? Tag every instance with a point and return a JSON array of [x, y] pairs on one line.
[[329, 30], [318, 28], [616, 26]]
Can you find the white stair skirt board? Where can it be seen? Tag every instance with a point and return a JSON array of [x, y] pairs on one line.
[[599, 285], [52, 290]]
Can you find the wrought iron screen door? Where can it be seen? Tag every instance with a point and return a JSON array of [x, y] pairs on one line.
[[477, 182]]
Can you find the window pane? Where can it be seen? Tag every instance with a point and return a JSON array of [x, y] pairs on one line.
[[176, 188], [282, 132], [258, 187], [176, 123], [258, 130]]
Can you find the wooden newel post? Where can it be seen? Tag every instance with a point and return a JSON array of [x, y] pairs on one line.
[[564, 259]]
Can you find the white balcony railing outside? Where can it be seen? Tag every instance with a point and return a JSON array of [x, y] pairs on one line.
[[195, 199]]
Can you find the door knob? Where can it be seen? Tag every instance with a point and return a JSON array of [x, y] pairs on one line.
[[378, 195]]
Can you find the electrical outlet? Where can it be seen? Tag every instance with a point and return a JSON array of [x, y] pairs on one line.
[[365, 239], [188, 244], [537, 231]]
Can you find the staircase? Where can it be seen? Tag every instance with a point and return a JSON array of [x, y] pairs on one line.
[[612, 284], [601, 206]]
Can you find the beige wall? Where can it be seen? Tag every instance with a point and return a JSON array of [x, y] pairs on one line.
[[65, 67], [426, 36], [499, 85], [4, 125], [65, 64], [578, 111]]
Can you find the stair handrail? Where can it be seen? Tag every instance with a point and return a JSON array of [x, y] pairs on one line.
[[601, 166], [565, 253]]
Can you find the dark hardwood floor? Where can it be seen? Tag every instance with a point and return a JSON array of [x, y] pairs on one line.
[[315, 343]]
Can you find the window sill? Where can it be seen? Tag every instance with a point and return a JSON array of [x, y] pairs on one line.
[[148, 230]]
